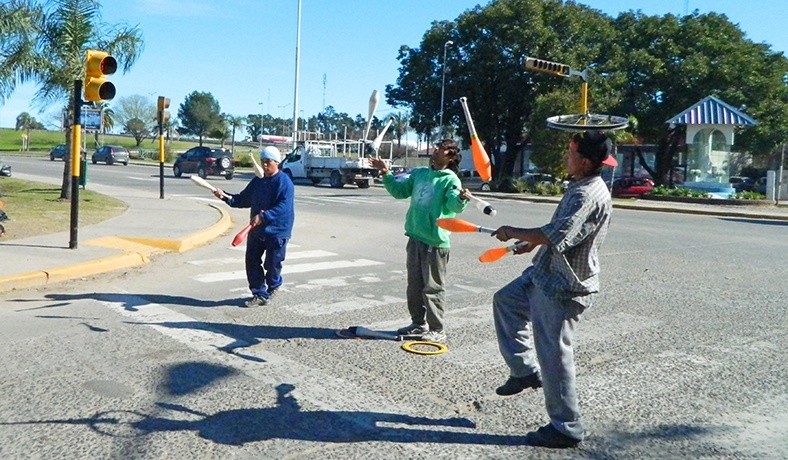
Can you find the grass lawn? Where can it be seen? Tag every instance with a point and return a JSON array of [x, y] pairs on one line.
[[35, 208]]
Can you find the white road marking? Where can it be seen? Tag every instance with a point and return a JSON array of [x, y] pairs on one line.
[[237, 260], [318, 388], [288, 270]]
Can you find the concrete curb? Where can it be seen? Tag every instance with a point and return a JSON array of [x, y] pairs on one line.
[[137, 253]]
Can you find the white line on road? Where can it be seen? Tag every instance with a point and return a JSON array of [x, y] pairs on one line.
[[236, 260], [288, 270]]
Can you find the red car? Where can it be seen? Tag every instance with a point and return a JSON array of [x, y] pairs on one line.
[[631, 187]]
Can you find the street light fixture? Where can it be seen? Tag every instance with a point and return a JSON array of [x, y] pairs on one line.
[[443, 84]]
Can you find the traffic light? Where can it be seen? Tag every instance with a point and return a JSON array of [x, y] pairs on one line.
[[541, 65], [164, 115], [98, 65]]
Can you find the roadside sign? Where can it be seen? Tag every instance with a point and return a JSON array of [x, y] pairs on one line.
[[90, 119]]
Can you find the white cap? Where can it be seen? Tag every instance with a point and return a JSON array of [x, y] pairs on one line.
[[270, 153]]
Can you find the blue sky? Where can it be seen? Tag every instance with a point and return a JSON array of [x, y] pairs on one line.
[[243, 51]]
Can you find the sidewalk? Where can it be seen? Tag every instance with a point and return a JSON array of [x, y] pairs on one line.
[[152, 226], [149, 226]]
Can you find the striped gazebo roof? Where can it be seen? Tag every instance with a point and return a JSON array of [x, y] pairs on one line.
[[712, 111]]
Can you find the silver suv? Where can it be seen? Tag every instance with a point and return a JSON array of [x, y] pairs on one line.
[[110, 154]]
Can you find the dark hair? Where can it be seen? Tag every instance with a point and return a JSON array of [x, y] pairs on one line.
[[452, 150], [593, 145]]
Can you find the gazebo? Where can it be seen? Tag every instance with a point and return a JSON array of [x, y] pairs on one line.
[[710, 130]]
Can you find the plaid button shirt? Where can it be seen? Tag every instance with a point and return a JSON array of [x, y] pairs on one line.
[[568, 268]]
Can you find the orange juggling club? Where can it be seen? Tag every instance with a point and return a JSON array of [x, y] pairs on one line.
[[481, 161], [492, 255], [241, 236], [453, 224]]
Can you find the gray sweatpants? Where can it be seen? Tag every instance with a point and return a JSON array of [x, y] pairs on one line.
[[426, 291], [520, 309]]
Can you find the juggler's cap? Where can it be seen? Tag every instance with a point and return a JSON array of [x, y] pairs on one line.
[[270, 153], [595, 146]]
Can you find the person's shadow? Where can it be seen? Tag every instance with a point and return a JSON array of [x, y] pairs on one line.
[[287, 421]]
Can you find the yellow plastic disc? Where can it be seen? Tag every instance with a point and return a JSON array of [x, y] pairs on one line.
[[440, 348]]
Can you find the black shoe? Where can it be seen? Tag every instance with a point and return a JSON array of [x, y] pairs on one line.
[[272, 292], [548, 436], [256, 301], [517, 384]]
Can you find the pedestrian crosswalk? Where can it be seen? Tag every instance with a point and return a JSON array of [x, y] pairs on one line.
[[343, 199]]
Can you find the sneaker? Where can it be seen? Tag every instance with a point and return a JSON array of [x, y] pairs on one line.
[[413, 329], [272, 292], [437, 336], [548, 436], [256, 301], [517, 384]]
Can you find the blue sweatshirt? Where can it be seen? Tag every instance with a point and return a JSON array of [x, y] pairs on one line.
[[273, 198]]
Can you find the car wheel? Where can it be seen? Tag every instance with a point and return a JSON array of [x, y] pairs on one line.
[[336, 180], [126, 163], [288, 174], [51, 158], [176, 171], [225, 162], [94, 160], [485, 187], [363, 184], [316, 181], [201, 172], [228, 177], [110, 161]]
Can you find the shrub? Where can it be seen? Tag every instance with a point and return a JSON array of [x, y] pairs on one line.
[[662, 190], [747, 195]]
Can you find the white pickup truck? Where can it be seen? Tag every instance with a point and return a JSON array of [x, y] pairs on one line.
[[322, 160]]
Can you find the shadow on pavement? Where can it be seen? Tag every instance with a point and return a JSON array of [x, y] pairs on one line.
[[286, 420]]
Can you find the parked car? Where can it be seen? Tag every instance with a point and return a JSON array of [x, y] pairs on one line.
[[60, 152], [538, 178], [742, 184], [631, 187], [400, 172], [5, 169], [110, 154], [205, 161]]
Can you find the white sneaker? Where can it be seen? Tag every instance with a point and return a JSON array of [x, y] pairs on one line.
[[434, 336]]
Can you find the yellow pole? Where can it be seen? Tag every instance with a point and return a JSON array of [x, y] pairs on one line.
[[584, 99]]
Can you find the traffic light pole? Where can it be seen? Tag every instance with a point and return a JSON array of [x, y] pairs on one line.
[[161, 155], [76, 131]]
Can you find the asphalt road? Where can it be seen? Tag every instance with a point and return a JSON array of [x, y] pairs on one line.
[[682, 357]]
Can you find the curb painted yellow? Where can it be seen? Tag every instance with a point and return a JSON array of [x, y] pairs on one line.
[[23, 281], [193, 240], [136, 251], [94, 267]]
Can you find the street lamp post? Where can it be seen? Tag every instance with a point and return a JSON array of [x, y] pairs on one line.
[[443, 84], [260, 136]]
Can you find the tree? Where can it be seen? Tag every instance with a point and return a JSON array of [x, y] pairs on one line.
[[665, 64], [235, 123], [199, 114], [48, 47], [137, 116], [400, 126], [484, 65], [26, 122]]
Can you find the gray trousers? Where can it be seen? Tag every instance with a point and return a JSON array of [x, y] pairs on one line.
[[426, 291], [520, 309]]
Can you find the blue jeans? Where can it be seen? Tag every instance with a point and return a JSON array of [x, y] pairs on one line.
[[264, 274]]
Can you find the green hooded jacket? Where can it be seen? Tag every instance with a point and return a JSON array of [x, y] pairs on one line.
[[433, 194]]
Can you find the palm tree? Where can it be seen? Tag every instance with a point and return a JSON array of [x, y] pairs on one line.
[[400, 126], [235, 123], [50, 49]]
